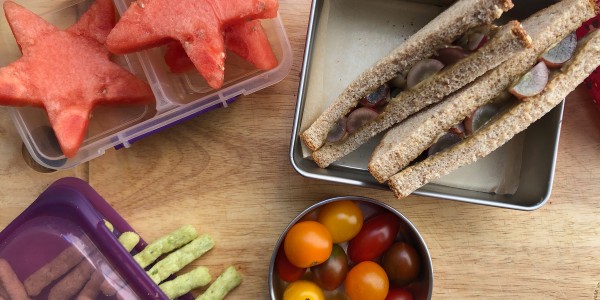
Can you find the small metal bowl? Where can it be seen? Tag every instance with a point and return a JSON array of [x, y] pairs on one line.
[[421, 288]]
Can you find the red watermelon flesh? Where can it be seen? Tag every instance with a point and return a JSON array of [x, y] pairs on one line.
[[248, 40], [592, 83], [176, 58], [196, 24], [236, 11], [66, 72], [96, 23]]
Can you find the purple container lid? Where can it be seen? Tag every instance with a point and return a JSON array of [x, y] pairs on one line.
[[71, 213]]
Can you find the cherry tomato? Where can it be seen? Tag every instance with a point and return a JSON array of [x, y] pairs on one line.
[[303, 290], [285, 269], [343, 219], [310, 216], [367, 280], [376, 236], [339, 295], [401, 263], [330, 274], [399, 294], [307, 244]]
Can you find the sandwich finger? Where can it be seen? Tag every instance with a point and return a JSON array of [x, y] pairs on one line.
[[407, 140], [442, 30], [508, 124], [510, 38]]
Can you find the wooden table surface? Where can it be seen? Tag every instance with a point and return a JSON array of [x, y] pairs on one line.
[[227, 173]]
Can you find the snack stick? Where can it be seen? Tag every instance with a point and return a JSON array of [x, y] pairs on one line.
[[91, 288], [180, 258], [109, 225], [186, 282], [10, 285], [107, 288], [112, 282], [60, 265], [226, 282], [71, 283], [129, 239], [165, 245], [125, 294]]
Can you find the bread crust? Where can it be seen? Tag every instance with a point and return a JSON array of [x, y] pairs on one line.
[[431, 90], [507, 125], [401, 145], [442, 30]]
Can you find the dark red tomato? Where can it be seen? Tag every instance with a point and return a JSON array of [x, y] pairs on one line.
[[399, 294], [330, 274], [310, 216], [285, 269], [376, 236], [401, 263]]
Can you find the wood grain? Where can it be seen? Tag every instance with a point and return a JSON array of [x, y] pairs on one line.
[[227, 173]]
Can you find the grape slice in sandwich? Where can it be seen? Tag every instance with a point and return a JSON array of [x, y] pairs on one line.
[[504, 126], [510, 38], [441, 31], [407, 140]]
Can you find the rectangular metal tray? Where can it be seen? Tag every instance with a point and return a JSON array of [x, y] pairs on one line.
[[540, 140]]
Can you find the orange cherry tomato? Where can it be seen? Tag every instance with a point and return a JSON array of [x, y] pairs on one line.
[[367, 280], [307, 244], [343, 219], [303, 290]]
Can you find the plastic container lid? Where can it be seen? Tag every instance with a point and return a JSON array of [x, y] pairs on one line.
[[179, 97], [65, 226]]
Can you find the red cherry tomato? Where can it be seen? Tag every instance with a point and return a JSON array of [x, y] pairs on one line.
[[401, 263], [376, 235], [285, 269], [399, 294]]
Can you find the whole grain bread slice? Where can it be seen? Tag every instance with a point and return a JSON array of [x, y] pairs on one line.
[[508, 40], [508, 124], [442, 30], [407, 140]]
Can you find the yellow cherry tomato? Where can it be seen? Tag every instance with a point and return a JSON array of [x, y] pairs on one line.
[[343, 219], [303, 290]]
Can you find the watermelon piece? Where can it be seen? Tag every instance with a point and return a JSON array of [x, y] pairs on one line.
[[196, 24], [176, 58], [592, 83], [67, 72], [247, 39], [250, 42]]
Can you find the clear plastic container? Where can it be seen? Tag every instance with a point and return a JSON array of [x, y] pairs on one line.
[[179, 97], [69, 218]]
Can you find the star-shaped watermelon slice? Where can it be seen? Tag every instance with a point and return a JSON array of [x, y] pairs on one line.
[[67, 72], [246, 39], [197, 24]]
